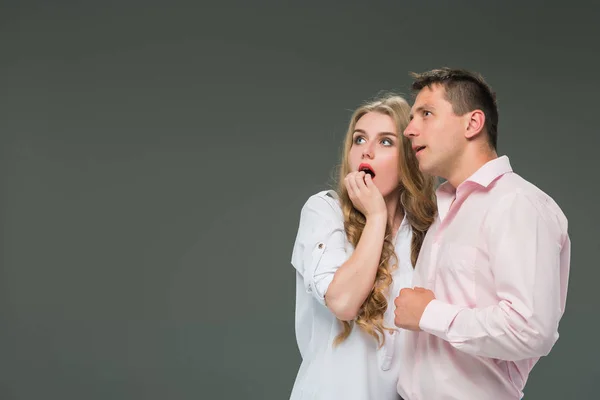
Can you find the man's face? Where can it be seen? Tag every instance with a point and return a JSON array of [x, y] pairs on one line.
[[437, 134]]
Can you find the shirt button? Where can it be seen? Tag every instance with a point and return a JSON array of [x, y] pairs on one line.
[[320, 245]]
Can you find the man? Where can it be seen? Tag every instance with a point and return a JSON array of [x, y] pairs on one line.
[[491, 279]]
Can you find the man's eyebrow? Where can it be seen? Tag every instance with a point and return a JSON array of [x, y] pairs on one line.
[[421, 108]]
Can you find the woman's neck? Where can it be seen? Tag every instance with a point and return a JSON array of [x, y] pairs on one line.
[[395, 214]]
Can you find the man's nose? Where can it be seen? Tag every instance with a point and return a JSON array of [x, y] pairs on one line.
[[410, 130]]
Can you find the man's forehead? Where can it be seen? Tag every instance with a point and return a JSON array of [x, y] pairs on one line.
[[435, 90], [429, 95]]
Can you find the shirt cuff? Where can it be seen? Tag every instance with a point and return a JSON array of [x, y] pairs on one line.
[[437, 317], [321, 287]]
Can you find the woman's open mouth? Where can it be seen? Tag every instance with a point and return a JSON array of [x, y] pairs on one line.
[[366, 168]]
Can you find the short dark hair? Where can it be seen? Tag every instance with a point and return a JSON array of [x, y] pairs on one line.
[[466, 91]]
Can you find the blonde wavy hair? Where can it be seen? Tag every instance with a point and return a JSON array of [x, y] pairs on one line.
[[417, 202]]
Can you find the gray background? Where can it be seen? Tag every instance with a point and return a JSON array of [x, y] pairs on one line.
[[154, 160]]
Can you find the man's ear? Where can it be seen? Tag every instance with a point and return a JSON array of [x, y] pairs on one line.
[[475, 123]]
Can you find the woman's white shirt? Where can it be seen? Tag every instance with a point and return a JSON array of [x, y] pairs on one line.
[[355, 369]]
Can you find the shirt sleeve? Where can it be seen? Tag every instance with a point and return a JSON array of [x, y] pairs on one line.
[[529, 252], [319, 249]]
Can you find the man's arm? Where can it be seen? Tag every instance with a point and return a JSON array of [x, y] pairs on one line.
[[529, 256]]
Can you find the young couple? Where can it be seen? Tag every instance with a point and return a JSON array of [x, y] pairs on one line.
[[407, 291]]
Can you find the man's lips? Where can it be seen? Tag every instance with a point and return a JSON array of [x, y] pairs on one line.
[[416, 149]]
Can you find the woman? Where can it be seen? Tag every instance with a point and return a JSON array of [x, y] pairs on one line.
[[355, 249]]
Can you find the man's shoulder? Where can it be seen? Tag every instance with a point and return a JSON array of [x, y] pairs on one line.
[[514, 186], [513, 183]]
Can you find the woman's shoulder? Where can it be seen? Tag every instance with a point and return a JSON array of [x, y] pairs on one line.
[[326, 203], [321, 216]]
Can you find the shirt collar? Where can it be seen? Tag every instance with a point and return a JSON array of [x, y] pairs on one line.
[[485, 175]]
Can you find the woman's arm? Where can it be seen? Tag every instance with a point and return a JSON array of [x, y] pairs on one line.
[[353, 280]]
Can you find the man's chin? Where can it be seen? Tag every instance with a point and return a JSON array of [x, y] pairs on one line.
[[423, 167]]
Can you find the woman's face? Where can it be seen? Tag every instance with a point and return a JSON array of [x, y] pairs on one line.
[[375, 149]]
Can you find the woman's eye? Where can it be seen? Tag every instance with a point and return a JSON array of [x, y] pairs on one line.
[[387, 142], [359, 140]]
